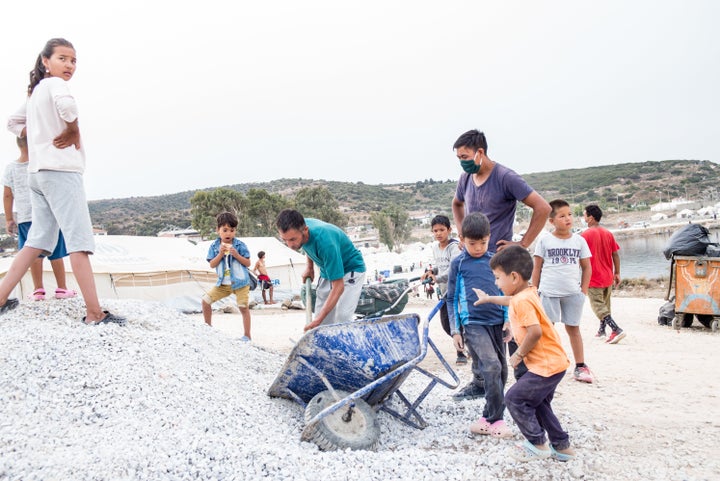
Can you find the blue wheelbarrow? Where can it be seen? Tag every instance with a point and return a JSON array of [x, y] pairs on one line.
[[343, 374]]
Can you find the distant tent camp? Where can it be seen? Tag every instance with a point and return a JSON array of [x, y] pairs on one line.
[[170, 270]]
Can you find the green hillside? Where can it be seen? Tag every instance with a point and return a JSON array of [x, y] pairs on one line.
[[630, 186]]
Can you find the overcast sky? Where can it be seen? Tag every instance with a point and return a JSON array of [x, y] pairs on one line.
[[180, 95]]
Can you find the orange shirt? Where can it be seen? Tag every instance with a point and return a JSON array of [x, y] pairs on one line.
[[547, 357]]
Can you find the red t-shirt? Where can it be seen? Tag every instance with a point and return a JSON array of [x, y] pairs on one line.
[[602, 245]]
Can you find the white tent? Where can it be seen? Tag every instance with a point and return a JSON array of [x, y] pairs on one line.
[[170, 270], [684, 214], [658, 216]]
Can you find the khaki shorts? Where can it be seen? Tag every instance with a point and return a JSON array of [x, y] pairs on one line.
[[221, 292], [599, 298]]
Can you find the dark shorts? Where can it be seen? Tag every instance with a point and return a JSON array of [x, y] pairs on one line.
[[59, 251]]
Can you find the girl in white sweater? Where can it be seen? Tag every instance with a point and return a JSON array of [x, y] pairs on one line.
[[57, 162]]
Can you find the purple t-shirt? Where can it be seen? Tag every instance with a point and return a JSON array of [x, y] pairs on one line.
[[497, 198]]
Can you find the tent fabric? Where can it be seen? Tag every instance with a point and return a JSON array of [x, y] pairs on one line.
[[170, 270]]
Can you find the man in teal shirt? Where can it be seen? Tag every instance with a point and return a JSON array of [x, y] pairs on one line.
[[342, 268]]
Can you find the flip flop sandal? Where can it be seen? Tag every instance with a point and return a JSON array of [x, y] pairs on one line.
[[526, 451], [64, 293], [498, 429], [37, 295], [564, 457]]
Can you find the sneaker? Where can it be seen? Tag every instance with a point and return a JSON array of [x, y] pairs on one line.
[[615, 337], [461, 359], [600, 334], [583, 374], [244, 339], [470, 391], [9, 305]]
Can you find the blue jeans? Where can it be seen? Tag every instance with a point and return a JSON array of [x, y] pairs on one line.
[[529, 404], [487, 351]]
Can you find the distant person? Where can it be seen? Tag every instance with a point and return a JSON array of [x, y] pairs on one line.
[[561, 274], [444, 250], [429, 291], [529, 399], [484, 332], [263, 277], [16, 190], [493, 189], [342, 268], [605, 263], [55, 176], [230, 258]]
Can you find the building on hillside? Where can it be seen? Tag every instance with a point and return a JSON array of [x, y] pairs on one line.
[[190, 234]]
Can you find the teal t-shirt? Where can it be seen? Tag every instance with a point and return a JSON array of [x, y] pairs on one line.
[[331, 250]]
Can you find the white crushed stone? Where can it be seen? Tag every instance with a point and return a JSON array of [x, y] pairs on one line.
[[167, 398]]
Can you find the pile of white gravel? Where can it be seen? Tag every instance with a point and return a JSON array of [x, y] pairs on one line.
[[166, 397]]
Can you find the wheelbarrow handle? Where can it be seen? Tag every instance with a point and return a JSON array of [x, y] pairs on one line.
[[308, 301]]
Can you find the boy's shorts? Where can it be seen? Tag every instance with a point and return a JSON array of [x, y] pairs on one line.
[[221, 292], [567, 310], [59, 251]]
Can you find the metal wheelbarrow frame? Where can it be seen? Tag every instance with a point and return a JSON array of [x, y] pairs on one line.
[[344, 373]]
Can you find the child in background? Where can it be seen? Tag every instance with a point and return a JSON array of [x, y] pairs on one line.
[[484, 330], [16, 190], [605, 264], [55, 176], [444, 251], [263, 277], [528, 400], [562, 275], [230, 258]]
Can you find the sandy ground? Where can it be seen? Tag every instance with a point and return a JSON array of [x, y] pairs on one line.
[[656, 392]]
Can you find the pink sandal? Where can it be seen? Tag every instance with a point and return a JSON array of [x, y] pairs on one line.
[[37, 295], [64, 293]]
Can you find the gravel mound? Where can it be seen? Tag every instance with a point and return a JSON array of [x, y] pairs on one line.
[[167, 398]]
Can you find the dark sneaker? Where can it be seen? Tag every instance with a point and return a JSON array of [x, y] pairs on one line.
[[615, 336], [600, 334], [9, 305], [471, 391]]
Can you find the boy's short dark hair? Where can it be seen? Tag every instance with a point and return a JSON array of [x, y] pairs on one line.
[[594, 211], [227, 218], [476, 226], [556, 205], [289, 219], [513, 258], [261, 254], [473, 139], [440, 219]]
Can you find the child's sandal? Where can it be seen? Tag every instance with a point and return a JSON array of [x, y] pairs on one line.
[[61, 293], [37, 295]]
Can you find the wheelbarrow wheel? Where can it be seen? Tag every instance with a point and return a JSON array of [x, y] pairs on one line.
[[682, 320], [353, 427], [705, 319]]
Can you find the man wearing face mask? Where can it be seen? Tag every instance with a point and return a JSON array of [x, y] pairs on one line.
[[493, 189]]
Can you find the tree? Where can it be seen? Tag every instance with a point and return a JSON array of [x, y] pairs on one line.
[[392, 224], [205, 206], [319, 203], [263, 209]]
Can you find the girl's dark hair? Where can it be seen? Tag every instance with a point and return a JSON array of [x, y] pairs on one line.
[[38, 72], [440, 219], [513, 259]]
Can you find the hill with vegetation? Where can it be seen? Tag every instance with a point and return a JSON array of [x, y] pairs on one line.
[[629, 186]]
